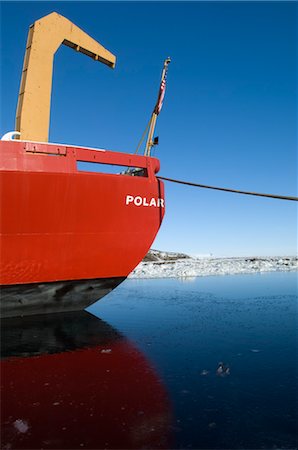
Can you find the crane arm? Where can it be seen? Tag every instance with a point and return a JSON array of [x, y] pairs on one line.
[[44, 38]]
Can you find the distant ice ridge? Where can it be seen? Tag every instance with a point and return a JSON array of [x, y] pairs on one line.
[[174, 265]]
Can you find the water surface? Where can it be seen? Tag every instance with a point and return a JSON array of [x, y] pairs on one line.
[[141, 369]]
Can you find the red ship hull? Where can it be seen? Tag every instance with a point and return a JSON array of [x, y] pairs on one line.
[[60, 224]]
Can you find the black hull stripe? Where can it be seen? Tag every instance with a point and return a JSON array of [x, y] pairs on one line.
[[58, 296]]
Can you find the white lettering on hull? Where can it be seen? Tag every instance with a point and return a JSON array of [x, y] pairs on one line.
[[144, 201]]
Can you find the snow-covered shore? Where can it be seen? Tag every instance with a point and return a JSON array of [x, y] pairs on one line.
[[196, 267]]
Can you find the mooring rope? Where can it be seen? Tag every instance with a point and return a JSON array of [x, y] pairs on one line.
[[235, 191]]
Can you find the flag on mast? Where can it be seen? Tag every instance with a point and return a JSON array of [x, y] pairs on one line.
[[161, 94], [162, 89]]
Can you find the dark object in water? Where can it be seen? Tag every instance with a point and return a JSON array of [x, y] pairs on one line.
[[222, 370]]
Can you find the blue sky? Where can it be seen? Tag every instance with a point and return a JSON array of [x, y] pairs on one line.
[[229, 117]]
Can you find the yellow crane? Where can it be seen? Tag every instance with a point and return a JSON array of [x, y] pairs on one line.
[[44, 38]]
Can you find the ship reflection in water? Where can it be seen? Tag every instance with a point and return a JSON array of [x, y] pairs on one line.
[[72, 381]]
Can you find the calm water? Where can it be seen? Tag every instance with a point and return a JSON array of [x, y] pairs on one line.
[[140, 370]]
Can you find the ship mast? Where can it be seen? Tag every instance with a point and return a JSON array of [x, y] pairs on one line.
[[150, 142]]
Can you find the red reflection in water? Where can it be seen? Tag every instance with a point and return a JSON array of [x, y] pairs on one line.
[[104, 396]]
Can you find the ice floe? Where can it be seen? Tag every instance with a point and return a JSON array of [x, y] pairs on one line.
[[165, 265]]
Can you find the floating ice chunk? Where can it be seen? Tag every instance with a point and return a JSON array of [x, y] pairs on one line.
[[21, 425]]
